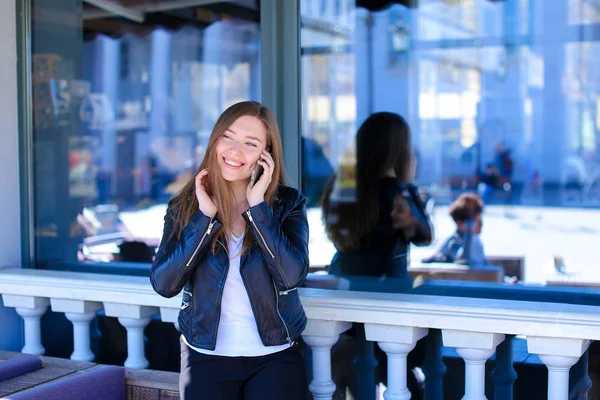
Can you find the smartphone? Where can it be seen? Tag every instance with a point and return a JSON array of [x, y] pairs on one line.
[[255, 176], [256, 173]]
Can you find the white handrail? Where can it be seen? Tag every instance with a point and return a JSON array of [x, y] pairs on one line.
[[439, 312], [559, 333]]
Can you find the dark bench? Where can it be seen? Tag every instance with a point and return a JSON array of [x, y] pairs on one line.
[[97, 383], [17, 366], [58, 378]]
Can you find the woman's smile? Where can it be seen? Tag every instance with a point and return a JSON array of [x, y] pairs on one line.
[[233, 163]]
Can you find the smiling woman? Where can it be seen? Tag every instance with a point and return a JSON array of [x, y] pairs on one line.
[[256, 313], [236, 146]]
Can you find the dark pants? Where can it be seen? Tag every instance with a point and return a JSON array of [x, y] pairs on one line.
[[275, 376]]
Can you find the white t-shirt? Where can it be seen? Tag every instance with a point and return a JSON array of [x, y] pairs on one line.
[[237, 334]]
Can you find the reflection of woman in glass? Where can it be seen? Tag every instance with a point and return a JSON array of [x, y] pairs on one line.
[[372, 213], [238, 251], [373, 224]]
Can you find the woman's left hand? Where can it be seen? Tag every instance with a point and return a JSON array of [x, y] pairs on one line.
[[256, 194]]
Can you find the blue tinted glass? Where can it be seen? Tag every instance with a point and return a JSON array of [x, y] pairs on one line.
[[124, 100], [502, 100]]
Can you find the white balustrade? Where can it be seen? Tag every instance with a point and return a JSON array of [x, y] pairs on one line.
[[321, 335], [30, 308], [169, 314], [559, 333], [33, 330], [475, 348], [559, 355], [80, 313], [134, 318], [396, 342]]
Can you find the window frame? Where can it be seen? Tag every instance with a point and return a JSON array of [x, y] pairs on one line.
[[280, 93]]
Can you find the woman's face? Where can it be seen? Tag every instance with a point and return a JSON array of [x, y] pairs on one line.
[[239, 147]]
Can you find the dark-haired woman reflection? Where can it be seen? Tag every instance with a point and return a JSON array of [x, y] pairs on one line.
[[372, 213]]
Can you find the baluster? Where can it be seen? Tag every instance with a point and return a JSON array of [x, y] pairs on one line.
[[475, 348], [559, 355], [31, 310], [397, 342], [134, 318], [321, 335], [136, 357], [80, 313]]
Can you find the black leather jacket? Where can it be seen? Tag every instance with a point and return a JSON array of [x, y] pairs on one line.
[[386, 251], [272, 268]]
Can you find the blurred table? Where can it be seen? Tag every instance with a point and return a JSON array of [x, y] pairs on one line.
[[449, 271], [457, 272], [579, 278], [318, 268]]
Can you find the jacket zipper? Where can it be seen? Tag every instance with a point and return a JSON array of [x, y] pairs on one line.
[[219, 299], [288, 338], [286, 292], [270, 252], [221, 289], [259, 234], [212, 222]]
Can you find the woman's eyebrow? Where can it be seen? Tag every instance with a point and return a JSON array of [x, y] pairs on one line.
[[254, 138], [247, 137]]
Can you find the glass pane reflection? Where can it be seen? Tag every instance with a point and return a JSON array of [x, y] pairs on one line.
[[503, 87], [124, 99]]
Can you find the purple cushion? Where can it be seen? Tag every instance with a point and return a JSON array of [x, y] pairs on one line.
[[19, 366], [104, 383]]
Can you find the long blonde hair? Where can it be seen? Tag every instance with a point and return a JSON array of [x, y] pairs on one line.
[[185, 203]]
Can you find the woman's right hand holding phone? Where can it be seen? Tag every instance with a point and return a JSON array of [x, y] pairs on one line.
[[207, 206]]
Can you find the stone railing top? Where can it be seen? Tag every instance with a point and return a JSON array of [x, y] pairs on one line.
[[458, 313], [121, 289], [479, 315]]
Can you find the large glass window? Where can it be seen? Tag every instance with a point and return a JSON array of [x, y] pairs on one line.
[[125, 94], [508, 88]]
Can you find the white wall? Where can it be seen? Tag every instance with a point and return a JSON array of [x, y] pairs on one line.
[[10, 232]]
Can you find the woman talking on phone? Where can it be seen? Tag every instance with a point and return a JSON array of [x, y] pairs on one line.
[[235, 240]]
